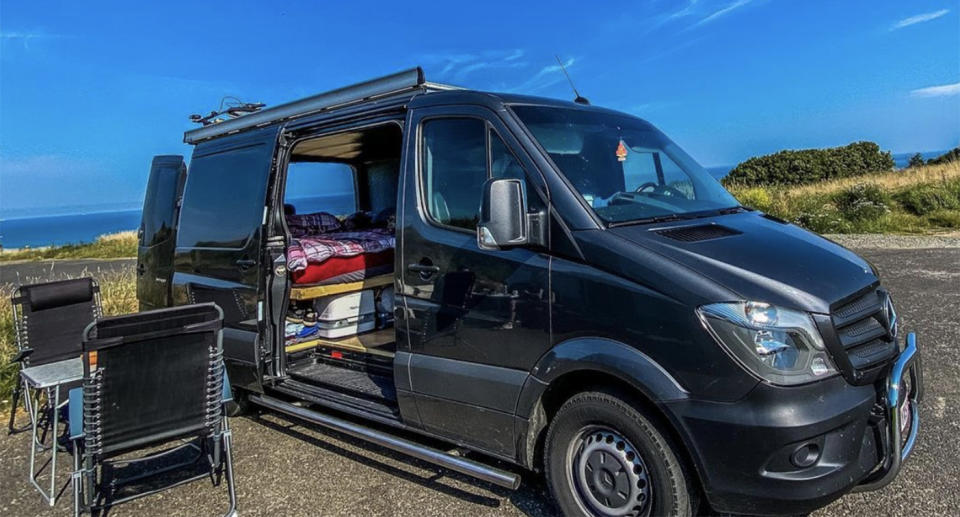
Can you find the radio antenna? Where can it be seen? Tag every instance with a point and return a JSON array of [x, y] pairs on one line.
[[579, 99]]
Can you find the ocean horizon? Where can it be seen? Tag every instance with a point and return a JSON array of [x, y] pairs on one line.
[[84, 223]]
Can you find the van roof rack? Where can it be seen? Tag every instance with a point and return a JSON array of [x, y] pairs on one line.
[[400, 82]]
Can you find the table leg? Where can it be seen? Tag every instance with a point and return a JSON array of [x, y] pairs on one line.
[[33, 437], [28, 400], [54, 445]]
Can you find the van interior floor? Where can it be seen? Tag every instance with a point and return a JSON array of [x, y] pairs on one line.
[[355, 383]]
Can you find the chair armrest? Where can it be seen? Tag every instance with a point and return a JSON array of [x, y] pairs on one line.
[[227, 392], [21, 355], [76, 413]]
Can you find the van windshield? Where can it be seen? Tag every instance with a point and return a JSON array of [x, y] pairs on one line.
[[623, 167]]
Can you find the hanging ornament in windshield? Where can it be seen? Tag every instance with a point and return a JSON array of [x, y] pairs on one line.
[[621, 151]]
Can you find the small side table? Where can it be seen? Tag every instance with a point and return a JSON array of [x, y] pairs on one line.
[[48, 377]]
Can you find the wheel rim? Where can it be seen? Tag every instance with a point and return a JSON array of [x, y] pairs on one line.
[[608, 474]]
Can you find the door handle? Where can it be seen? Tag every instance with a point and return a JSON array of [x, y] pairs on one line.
[[141, 269], [246, 263], [425, 269]]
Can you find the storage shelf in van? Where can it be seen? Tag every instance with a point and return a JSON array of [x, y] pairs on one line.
[[309, 292], [368, 343]]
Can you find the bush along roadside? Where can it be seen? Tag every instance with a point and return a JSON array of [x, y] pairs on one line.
[[917, 200], [811, 165]]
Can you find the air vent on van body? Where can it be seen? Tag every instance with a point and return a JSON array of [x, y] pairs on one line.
[[698, 233]]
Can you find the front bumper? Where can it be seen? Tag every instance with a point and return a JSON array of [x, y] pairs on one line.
[[903, 385], [793, 450]]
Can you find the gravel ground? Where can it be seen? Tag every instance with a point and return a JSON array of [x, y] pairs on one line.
[[287, 468], [880, 241]]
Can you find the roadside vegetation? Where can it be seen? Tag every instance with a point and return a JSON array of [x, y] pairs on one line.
[[919, 199], [113, 245], [118, 293], [805, 166]]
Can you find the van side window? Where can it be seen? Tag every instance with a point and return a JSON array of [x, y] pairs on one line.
[[454, 169], [504, 164], [223, 199], [320, 187], [159, 208]]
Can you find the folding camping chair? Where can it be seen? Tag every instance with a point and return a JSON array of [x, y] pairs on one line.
[[48, 321], [150, 380]]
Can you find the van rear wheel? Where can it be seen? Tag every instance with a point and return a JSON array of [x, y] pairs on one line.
[[604, 457]]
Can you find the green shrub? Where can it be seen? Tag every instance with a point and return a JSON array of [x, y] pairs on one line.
[[928, 198], [952, 155], [945, 219], [811, 165], [916, 161], [862, 202], [756, 197]]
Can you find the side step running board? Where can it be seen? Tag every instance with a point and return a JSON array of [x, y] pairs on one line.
[[460, 464]]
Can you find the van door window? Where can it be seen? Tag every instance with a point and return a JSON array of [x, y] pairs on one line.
[[454, 170], [504, 164], [223, 200]]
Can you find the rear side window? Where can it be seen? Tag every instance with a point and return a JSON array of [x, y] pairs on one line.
[[454, 169], [224, 198], [159, 206]]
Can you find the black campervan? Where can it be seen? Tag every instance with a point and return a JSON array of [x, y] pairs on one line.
[[551, 284]]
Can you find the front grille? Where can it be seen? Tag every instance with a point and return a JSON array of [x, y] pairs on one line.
[[864, 334]]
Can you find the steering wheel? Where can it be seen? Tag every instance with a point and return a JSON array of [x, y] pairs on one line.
[[657, 189]]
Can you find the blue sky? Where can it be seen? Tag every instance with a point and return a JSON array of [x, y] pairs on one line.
[[89, 91]]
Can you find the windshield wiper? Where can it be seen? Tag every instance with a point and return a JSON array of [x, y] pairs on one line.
[[681, 217], [648, 220], [734, 210]]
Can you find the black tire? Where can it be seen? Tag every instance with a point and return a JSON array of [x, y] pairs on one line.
[[603, 456]]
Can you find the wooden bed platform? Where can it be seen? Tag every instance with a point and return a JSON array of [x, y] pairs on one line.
[[368, 343], [309, 292]]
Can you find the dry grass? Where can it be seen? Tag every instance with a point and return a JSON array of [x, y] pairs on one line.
[[119, 236], [118, 292], [112, 245], [920, 200], [890, 181]]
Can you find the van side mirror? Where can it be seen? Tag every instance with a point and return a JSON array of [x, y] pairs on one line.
[[504, 221]]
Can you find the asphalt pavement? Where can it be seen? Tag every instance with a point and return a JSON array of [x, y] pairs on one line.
[[284, 467], [22, 272]]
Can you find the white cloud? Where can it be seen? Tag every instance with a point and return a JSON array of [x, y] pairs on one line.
[[546, 77], [457, 66], [25, 37], [920, 18], [721, 12], [943, 90]]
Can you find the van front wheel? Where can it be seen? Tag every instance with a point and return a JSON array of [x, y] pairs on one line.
[[604, 457]]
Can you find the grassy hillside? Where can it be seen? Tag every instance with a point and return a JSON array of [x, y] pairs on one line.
[[113, 245], [119, 295], [916, 200]]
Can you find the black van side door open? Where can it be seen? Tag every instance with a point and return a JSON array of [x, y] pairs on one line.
[[220, 243], [476, 320], [156, 238]]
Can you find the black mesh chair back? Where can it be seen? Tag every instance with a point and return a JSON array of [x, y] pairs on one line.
[[152, 377], [48, 321], [50, 318]]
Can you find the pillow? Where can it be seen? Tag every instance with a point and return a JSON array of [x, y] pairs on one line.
[[313, 224]]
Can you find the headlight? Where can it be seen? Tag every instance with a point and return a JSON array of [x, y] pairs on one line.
[[779, 345]]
